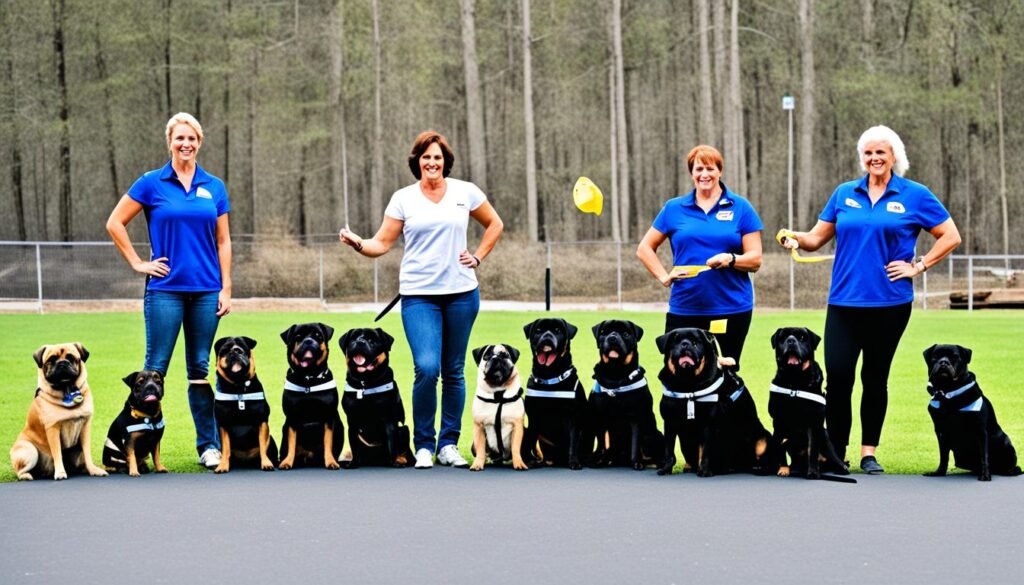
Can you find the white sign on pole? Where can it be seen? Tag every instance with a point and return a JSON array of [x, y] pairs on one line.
[[788, 102]]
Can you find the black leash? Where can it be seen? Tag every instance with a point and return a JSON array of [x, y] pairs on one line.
[[388, 308]]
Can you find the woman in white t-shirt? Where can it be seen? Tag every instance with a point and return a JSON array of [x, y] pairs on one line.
[[440, 295]]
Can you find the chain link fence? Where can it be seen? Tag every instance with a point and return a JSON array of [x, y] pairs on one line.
[[599, 273]]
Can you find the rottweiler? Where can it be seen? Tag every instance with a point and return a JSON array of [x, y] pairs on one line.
[[377, 433], [56, 437], [964, 419], [313, 433], [556, 402], [621, 406], [241, 408], [797, 407], [709, 409], [498, 409], [137, 431]]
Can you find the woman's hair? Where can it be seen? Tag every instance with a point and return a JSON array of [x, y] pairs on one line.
[[186, 119], [422, 143], [708, 155], [887, 135]]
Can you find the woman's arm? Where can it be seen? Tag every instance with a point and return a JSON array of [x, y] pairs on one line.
[[821, 234], [224, 255], [126, 210], [947, 238], [379, 244], [747, 261], [486, 216], [647, 252]]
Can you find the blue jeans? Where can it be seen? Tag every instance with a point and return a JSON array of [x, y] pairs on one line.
[[165, 314], [437, 328]]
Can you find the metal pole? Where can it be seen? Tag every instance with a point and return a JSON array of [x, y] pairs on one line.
[[39, 278], [924, 286], [547, 281], [970, 284], [322, 275], [618, 271], [788, 103], [376, 282]]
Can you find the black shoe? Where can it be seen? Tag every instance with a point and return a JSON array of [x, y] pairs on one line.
[[871, 466]]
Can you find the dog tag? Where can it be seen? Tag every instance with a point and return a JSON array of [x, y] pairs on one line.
[[241, 405], [359, 394]]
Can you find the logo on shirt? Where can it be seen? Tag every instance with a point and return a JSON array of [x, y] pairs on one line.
[[852, 203], [894, 207], [202, 192], [724, 216]]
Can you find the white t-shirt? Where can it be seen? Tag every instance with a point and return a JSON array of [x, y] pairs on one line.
[[435, 234]]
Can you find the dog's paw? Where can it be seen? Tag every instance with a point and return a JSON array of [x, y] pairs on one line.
[[705, 473], [575, 465], [96, 471], [134, 473], [223, 467], [519, 465], [783, 471], [667, 470], [286, 464], [25, 477], [476, 466], [161, 469], [332, 464], [60, 474]]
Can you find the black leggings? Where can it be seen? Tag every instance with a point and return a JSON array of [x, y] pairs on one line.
[[737, 326], [849, 332]]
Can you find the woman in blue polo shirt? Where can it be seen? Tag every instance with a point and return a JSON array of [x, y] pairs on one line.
[[875, 221], [710, 226], [188, 278]]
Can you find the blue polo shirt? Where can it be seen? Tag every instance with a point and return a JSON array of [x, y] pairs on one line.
[[869, 237], [183, 227], [696, 236]]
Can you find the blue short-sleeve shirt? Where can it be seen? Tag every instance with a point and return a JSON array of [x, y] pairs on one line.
[[183, 227], [696, 236], [869, 237]]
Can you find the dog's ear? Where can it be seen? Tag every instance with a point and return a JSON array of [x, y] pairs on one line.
[[661, 341], [597, 329], [814, 337], [528, 328], [219, 344], [288, 333], [327, 330], [966, 353], [82, 352], [776, 336], [343, 340], [638, 332], [513, 352], [479, 353], [129, 380], [386, 337], [38, 356], [250, 342], [570, 329], [928, 354]]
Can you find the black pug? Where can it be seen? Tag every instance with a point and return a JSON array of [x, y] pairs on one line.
[[377, 433], [241, 408], [556, 402], [709, 409], [964, 419], [797, 407], [621, 406], [313, 433], [136, 432]]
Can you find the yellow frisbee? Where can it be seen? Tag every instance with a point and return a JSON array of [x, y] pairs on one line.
[[587, 196]]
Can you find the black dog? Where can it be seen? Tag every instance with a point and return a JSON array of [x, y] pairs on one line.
[[709, 409], [797, 407], [136, 432], [965, 422], [313, 433], [556, 402], [241, 408], [621, 406], [377, 433]]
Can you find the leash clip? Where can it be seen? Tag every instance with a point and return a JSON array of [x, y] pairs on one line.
[[359, 394], [241, 405]]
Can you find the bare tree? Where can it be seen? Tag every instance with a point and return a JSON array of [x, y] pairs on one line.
[[805, 185], [339, 156], [614, 154], [64, 177], [531, 145], [734, 113], [377, 171], [474, 103], [707, 114], [619, 95]]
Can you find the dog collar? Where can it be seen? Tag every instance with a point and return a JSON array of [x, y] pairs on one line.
[[146, 425], [708, 394], [329, 385], [549, 381], [550, 393], [798, 394], [938, 396], [954, 393], [217, 395], [360, 392], [599, 389]]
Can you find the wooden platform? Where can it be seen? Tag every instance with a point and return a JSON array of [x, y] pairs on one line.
[[1009, 298]]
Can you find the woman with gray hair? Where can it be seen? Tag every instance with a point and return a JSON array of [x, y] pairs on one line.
[[875, 221]]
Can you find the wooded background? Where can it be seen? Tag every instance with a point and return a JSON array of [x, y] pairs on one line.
[[303, 101]]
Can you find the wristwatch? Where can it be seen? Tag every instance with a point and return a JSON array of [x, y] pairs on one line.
[[920, 260]]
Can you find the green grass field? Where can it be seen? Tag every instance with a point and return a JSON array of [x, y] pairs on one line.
[[116, 342]]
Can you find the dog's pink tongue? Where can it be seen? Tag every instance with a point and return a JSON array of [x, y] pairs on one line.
[[546, 359], [613, 354], [359, 359], [686, 361], [793, 360], [150, 398]]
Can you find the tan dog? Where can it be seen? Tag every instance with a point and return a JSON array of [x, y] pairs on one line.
[[59, 426], [498, 409]]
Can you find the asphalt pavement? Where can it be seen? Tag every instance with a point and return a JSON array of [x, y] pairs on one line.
[[499, 526]]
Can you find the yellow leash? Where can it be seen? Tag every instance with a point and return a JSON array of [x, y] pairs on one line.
[[781, 238]]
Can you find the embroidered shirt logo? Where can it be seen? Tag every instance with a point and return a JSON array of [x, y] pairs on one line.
[[852, 203], [202, 192], [724, 216], [894, 207]]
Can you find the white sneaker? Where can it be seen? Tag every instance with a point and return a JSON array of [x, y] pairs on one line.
[[449, 455], [210, 458], [424, 459]]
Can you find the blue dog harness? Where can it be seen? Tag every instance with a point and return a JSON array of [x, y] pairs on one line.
[[533, 382], [972, 407]]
